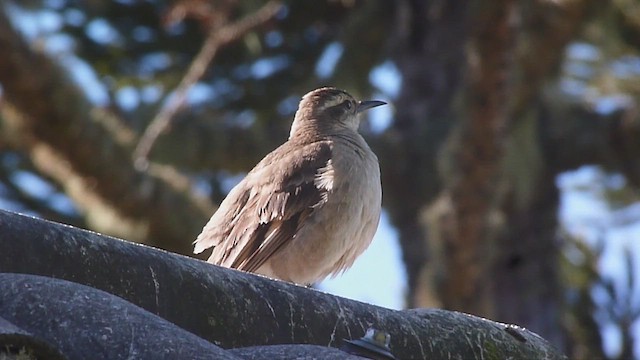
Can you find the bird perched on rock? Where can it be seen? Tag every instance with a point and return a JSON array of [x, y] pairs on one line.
[[311, 206]]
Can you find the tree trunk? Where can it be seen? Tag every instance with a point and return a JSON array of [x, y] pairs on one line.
[[477, 216]]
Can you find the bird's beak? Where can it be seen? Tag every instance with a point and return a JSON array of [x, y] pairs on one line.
[[366, 105]]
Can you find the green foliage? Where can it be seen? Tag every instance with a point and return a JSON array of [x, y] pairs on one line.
[[145, 46], [139, 51]]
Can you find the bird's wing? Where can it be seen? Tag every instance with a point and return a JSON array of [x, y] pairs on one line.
[[264, 211]]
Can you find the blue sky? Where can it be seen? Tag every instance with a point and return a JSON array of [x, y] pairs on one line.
[[378, 276]]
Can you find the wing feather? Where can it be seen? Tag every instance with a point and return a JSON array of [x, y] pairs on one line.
[[267, 208]]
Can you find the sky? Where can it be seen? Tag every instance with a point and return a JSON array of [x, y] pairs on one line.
[[378, 277]]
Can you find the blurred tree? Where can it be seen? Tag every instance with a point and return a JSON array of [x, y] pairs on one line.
[[137, 110]]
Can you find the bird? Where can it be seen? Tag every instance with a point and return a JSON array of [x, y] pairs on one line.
[[309, 208]]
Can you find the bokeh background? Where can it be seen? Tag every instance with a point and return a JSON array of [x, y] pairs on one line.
[[510, 152]]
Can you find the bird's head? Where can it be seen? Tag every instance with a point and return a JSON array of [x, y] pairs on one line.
[[328, 109]]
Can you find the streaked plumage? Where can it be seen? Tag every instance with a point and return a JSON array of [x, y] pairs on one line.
[[311, 206]]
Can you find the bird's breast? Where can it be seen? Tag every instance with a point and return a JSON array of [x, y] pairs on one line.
[[343, 224], [353, 205], [356, 171]]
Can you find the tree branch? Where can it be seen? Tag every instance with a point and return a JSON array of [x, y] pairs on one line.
[[234, 309], [66, 140], [218, 37]]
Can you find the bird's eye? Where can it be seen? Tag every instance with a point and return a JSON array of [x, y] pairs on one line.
[[348, 105]]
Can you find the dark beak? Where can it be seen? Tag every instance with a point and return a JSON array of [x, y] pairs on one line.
[[366, 105]]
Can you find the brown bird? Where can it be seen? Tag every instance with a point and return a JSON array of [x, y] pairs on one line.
[[311, 206]]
